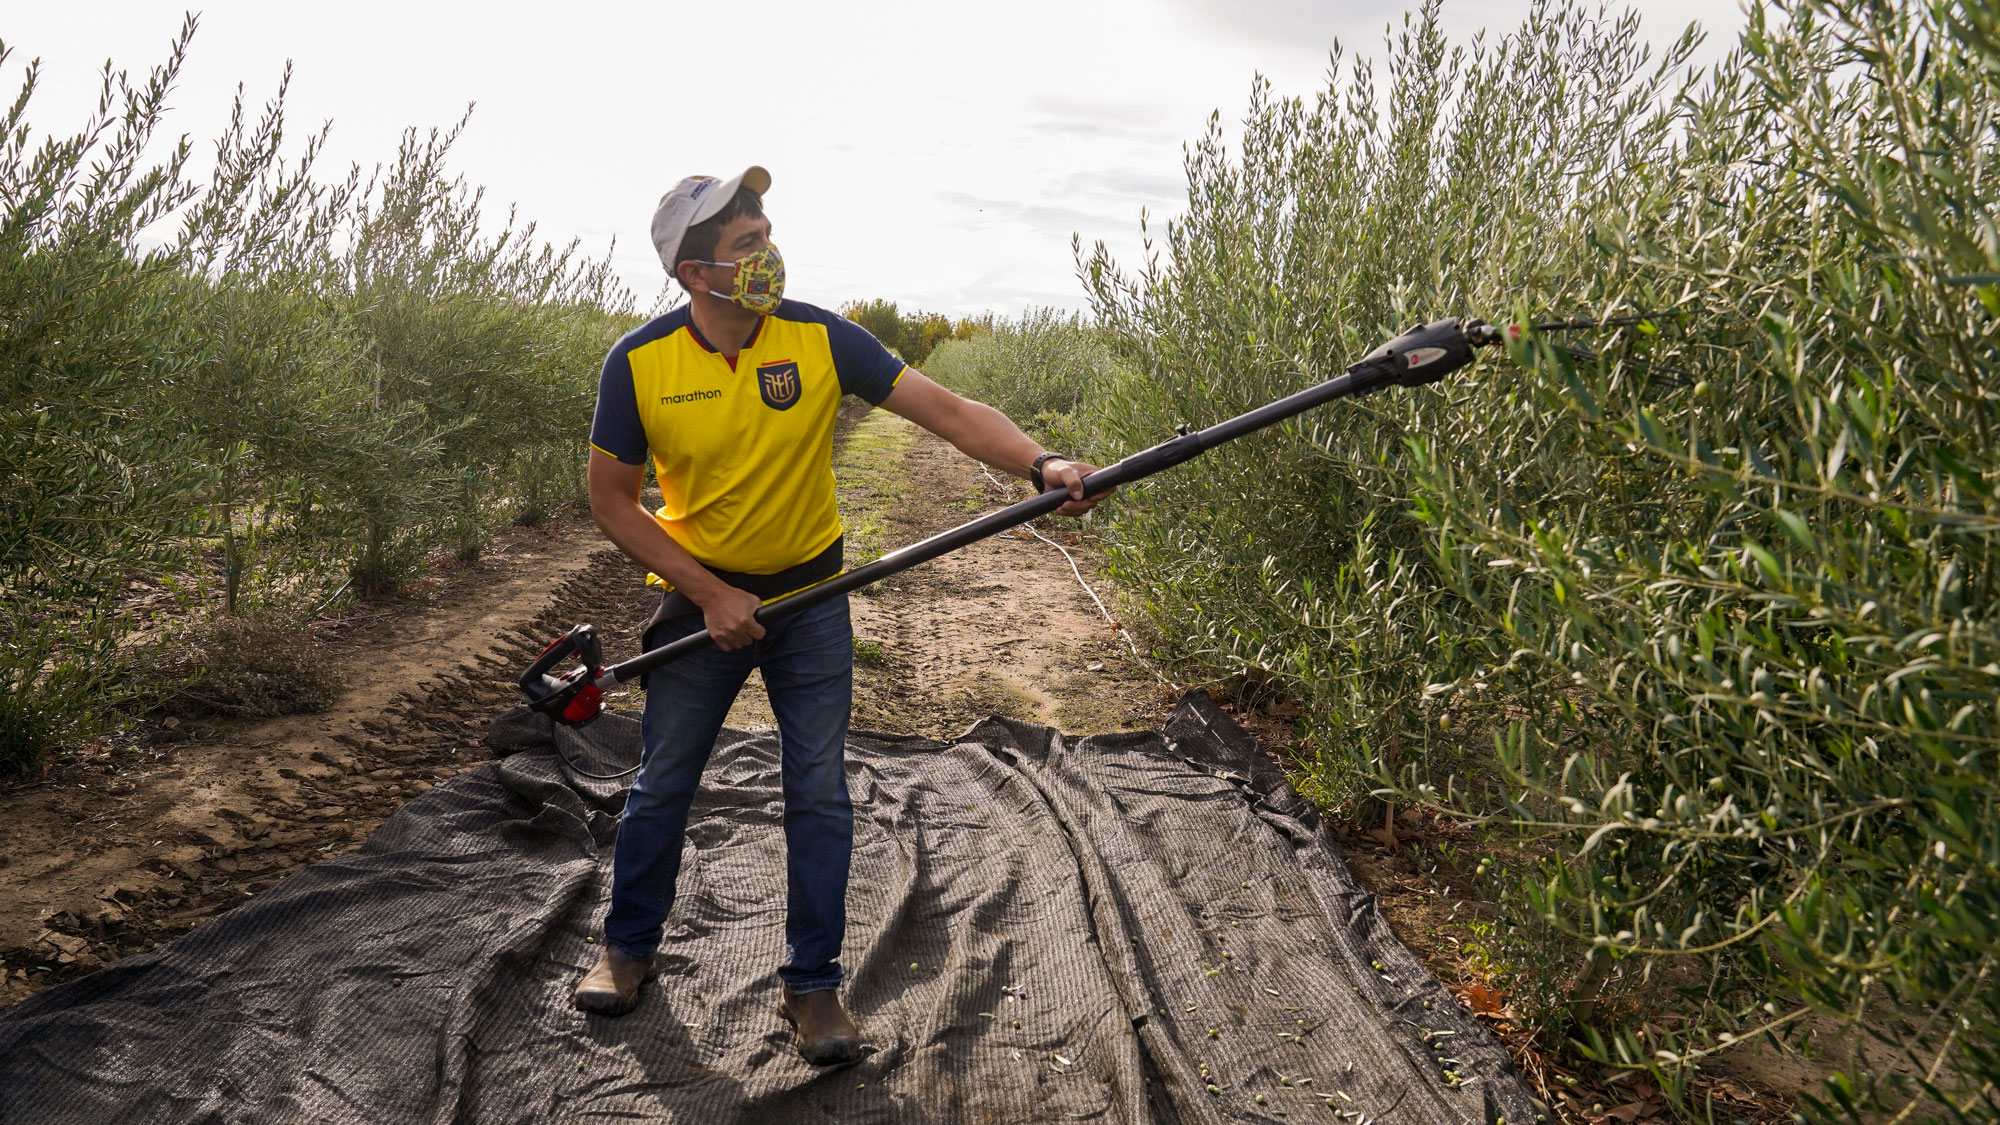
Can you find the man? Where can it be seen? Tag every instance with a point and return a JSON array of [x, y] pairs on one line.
[[734, 396]]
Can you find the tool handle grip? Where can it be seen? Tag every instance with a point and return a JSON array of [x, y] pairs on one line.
[[693, 643], [581, 641], [1146, 462]]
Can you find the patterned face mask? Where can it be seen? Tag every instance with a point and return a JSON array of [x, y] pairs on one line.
[[760, 280]]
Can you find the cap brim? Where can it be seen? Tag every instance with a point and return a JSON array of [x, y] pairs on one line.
[[754, 177]]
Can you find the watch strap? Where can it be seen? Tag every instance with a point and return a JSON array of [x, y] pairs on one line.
[[1035, 470]]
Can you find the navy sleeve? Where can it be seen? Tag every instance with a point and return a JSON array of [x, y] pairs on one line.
[[616, 429], [865, 367]]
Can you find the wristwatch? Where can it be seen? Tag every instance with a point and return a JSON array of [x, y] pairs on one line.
[[1035, 470]]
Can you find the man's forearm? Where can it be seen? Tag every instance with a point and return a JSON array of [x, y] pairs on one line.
[[985, 434], [628, 524]]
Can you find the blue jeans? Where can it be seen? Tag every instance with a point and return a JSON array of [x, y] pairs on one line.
[[808, 663]]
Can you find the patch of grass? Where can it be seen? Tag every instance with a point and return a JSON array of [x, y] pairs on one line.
[[870, 470], [870, 654], [29, 734], [1042, 370]]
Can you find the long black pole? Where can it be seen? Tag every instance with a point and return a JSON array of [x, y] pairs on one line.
[[1421, 355]]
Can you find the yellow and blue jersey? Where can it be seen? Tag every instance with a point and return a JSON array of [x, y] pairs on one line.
[[744, 454]]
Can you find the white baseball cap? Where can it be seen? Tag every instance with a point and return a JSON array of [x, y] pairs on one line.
[[695, 200]]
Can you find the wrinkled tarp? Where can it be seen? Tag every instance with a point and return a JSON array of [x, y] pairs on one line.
[[1040, 928]]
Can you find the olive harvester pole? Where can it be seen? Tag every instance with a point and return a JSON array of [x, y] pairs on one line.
[[1419, 356]]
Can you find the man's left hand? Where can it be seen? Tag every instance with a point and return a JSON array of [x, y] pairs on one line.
[[1069, 474]]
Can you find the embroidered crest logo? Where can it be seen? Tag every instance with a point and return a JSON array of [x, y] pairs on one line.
[[778, 383]]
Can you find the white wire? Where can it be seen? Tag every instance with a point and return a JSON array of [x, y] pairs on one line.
[[334, 598], [1078, 571]]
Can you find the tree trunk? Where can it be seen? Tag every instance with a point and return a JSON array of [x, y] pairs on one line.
[[1387, 833], [1583, 994], [468, 521], [232, 559], [531, 507], [370, 572]]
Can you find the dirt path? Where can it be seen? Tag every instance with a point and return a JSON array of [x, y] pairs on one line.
[[119, 851]]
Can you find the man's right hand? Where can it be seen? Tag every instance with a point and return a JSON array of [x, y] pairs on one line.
[[731, 617]]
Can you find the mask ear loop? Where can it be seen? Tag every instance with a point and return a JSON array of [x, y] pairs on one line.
[[720, 265]]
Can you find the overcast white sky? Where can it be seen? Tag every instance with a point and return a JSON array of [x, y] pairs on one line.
[[939, 155]]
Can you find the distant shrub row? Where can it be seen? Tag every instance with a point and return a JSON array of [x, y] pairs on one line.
[[310, 385], [1043, 369], [911, 334]]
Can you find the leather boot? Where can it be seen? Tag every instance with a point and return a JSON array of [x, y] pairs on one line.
[[611, 987], [826, 1035]]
